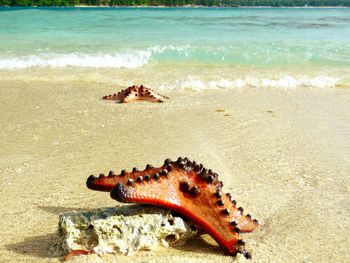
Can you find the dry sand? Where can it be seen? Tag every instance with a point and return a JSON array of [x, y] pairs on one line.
[[283, 154]]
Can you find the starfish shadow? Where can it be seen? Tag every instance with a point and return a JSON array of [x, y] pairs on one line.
[[199, 245], [59, 209]]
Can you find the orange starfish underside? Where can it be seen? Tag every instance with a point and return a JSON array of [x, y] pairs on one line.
[[135, 93], [187, 188]]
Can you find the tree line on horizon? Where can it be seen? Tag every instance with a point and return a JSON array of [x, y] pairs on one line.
[[222, 3]]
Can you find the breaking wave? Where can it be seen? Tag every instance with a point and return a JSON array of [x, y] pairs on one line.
[[275, 54], [286, 82], [127, 60], [121, 59]]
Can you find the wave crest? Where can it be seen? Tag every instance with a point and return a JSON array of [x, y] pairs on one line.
[[125, 60], [122, 59], [274, 54], [286, 82]]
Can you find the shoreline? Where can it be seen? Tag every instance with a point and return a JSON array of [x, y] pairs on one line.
[[187, 77]]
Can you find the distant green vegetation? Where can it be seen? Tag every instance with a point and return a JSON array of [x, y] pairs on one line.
[[175, 2]]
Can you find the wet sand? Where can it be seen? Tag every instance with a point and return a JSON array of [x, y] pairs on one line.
[[284, 155]]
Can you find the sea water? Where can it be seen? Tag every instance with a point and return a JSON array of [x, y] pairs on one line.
[[177, 48]]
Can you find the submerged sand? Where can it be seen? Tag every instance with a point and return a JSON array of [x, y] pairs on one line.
[[284, 155]]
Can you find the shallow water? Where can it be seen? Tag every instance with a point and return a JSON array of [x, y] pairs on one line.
[[203, 47]]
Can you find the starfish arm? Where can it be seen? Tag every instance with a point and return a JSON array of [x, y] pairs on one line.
[[116, 96]]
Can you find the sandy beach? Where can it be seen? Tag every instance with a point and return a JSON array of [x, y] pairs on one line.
[[284, 155]]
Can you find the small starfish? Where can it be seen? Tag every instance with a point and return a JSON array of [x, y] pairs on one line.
[[135, 93], [187, 188]]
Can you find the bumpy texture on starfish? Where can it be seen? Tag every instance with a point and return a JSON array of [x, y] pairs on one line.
[[134, 93], [187, 188]]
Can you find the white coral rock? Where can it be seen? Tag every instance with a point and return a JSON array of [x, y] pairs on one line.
[[124, 229]]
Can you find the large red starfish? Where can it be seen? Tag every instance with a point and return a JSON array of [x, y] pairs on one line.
[[187, 188], [134, 93]]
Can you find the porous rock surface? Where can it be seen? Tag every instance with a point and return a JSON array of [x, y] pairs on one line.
[[124, 229]]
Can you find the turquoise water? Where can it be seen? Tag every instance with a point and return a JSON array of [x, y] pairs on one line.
[[264, 39]]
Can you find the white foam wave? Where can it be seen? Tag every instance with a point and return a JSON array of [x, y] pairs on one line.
[[123, 59], [126, 60], [286, 82]]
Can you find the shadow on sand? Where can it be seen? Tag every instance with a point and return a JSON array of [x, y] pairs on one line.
[[199, 245], [59, 209], [37, 246]]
